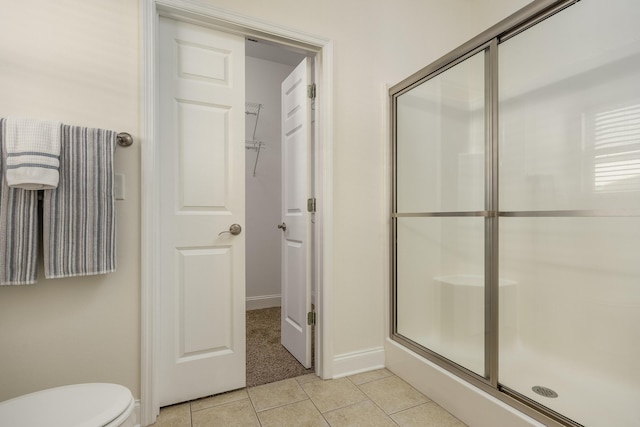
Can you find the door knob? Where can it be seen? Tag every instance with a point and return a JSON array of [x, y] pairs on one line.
[[234, 229], [282, 226]]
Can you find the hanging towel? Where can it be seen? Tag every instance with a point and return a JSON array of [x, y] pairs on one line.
[[33, 153], [79, 220], [18, 228]]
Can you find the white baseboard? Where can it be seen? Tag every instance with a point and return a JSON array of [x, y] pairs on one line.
[[262, 301], [136, 409], [358, 362]]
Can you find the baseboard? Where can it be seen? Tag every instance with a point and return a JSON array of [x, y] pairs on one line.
[[136, 409], [262, 301], [358, 362]]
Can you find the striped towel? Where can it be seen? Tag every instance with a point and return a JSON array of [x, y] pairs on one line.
[[79, 220], [33, 153], [18, 228]]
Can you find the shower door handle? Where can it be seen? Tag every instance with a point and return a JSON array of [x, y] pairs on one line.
[[234, 229], [282, 226]]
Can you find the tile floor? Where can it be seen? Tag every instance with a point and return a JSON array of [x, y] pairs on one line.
[[376, 398]]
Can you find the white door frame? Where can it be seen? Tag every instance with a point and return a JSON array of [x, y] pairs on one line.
[[231, 22]]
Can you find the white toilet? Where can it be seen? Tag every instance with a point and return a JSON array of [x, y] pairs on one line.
[[79, 405]]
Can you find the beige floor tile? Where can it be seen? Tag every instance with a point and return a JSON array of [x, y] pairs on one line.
[[219, 399], [300, 414], [307, 378], [392, 394], [427, 415], [310, 401], [360, 414], [233, 414], [365, 377], [174, 416], [276, 394], [333, 394]]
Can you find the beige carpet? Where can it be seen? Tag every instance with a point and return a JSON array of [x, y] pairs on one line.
[[267, 359]]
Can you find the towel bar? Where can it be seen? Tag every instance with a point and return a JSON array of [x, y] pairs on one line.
[[124, 139]]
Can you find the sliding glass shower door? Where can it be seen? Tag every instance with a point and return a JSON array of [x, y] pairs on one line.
[[569, 201], [439, 211], [516, 212]]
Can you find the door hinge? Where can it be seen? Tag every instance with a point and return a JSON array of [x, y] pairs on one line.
[[311, 91], [311, 318], [311, 204]]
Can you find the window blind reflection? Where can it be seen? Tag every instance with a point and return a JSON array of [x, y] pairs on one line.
[[617, 150]]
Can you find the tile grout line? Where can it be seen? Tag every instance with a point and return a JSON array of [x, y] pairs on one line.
[[314, 403], [351, 381], [255, 411], [389, 415], [333, 410], [429, 400], [371, 400]]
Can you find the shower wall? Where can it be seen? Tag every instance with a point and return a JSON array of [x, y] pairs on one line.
[[263, 198], [583, 271]]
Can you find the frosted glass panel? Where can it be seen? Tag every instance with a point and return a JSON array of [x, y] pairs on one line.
[[569, 129], [574, 325], [440, 142], [440, 286], [570, 111]]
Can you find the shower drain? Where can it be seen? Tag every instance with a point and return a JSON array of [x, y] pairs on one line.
[[544, 391]]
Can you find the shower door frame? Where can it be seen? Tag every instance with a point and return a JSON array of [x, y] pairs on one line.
[[487, 41], [489, 212]]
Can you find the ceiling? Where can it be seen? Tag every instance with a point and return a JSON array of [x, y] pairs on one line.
[[272, 52]]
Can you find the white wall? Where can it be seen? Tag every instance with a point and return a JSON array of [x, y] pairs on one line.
[[79, 61], [76, 61], [263, 191]]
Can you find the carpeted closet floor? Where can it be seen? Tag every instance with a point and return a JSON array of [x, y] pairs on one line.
[[267, 360]]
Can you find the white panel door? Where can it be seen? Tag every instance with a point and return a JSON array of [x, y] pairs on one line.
[[296, 254], [202, 289]]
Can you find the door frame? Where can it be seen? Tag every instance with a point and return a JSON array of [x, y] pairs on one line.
[[238, 24]]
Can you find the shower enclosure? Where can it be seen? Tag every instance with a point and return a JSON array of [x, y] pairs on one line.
[[516, 212]]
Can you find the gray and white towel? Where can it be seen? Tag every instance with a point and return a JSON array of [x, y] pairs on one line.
[[79, 222], [18, 228], [32, 153]]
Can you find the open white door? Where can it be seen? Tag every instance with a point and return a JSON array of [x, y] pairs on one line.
[[296, 221], [201, 146]]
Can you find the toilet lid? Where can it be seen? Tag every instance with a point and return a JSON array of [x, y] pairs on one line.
[[78, 405]]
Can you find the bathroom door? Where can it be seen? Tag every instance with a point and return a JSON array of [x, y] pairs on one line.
[[202, 254], [296, 220]]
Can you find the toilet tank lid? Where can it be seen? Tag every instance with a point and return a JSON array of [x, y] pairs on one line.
[[78, 405]]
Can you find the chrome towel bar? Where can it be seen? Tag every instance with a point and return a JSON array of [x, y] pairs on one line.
[[124, 139]]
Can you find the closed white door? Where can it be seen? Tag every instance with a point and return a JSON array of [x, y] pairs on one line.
[[296, 221], [201, 145]]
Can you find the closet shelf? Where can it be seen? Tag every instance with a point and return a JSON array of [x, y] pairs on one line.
[[251, 144], [253, 109]]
